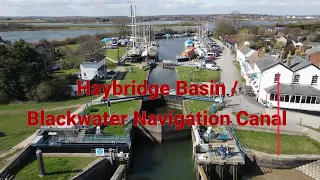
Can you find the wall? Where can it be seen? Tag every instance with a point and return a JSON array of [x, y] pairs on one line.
[[100, 169], [267, 78], [90, 69], [282, 161], [306, 75], [20, 158]]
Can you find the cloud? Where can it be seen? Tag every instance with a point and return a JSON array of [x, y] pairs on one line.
[[153, 7]]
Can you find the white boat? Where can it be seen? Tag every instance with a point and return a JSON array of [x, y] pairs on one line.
[[152, 51], [134, 52]]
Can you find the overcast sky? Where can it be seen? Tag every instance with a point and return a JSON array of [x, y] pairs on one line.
[[154, 7]]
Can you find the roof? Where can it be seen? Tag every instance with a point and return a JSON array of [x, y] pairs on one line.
[[266, 62], [294, 89], [298, 63], [253, 58], [313, 50], [94, 58]]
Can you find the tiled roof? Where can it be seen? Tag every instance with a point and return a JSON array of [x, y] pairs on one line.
[[95, 58], [266, 62], [298, 63], [294, 89]]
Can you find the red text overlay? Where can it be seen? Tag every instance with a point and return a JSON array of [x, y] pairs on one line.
[[242, 118]]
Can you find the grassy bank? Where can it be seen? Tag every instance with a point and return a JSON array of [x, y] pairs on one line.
[[237, 64], [184, 73], [56, 168], [315, 129], [113, 54], [13, 118], [126, 107], [267, 142], [139, 75]]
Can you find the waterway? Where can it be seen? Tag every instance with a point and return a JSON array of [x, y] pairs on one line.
[[169, 160], [34, 36]]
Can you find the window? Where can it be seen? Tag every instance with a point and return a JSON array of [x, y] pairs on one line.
[[286, 99], [276, 77], [313, 100], [281, 98], [303, 99], [297, 99], [272, 97], [296, 78], [85, 74], [292, 98], [308, 99], [314, 79]]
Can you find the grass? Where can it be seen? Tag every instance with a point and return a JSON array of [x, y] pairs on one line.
[[203, 75], [266, 142], [315, 129], [21, 21], [139, 75], [113, 53], [245, 117], [73, 47], [57, 168], [126, 107], [13, 118], [237, 64], [69, 71]]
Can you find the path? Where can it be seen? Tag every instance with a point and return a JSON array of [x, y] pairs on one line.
[[230, 74]]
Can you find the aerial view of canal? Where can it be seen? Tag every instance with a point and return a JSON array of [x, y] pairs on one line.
[[169, 160]]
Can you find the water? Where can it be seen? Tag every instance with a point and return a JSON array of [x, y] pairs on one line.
[[169, 160], [95, 24], [34, 36]]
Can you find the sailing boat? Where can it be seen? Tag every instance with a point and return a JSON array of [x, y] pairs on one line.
[[135, 52], [151, 50]]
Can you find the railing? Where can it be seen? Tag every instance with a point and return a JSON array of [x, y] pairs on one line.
[[105, 139], [233, 133]]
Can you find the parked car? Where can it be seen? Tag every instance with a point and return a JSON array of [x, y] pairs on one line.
[[213, 67]]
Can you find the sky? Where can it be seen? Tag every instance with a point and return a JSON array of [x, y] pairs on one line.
[[155, 7]]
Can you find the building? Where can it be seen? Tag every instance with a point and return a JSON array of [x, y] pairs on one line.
[[246, 58], [299, 83], [313, 55], [93, 67]]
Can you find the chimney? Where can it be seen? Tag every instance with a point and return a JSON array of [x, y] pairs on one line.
[[289, 59], [263, 52], [281, 55]]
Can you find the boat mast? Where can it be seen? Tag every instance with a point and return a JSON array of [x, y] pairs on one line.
[[135, 23], [132, 28]]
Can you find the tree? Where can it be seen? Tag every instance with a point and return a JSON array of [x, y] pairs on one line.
[[224, 28], [90, 47], [236, 19], [121, 24]]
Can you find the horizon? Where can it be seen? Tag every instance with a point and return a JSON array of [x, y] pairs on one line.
[[107, 8]]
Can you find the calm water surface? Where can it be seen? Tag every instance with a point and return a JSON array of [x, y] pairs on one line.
[[170, 160]]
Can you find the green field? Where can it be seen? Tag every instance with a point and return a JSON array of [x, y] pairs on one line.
[[73, 47], [113, 53], [57, 168], [203, 75], [13, 118], [267, 142], [139, 75], [119, 108]]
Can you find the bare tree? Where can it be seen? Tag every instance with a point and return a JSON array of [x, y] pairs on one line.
[[224, 28], [236, 19], [90, 47], [121, 24]]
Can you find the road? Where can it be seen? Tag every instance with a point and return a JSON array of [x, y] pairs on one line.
[[230, 74]]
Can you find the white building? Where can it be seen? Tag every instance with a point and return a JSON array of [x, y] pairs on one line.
[[246, 58], [299, 83], [93, 67]]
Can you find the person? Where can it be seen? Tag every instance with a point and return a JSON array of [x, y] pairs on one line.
[[221, 149], [228, 149], [240, 88]]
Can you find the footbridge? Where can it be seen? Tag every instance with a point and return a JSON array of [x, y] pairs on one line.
[[171, 95]]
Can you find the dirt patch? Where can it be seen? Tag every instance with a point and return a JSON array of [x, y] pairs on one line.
[[277, 174]]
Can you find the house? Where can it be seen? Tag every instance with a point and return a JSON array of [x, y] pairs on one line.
[[231, 41], [299, 83], [93, 67], [296, 43], [282, 40], [246, 58], [313, 55]]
